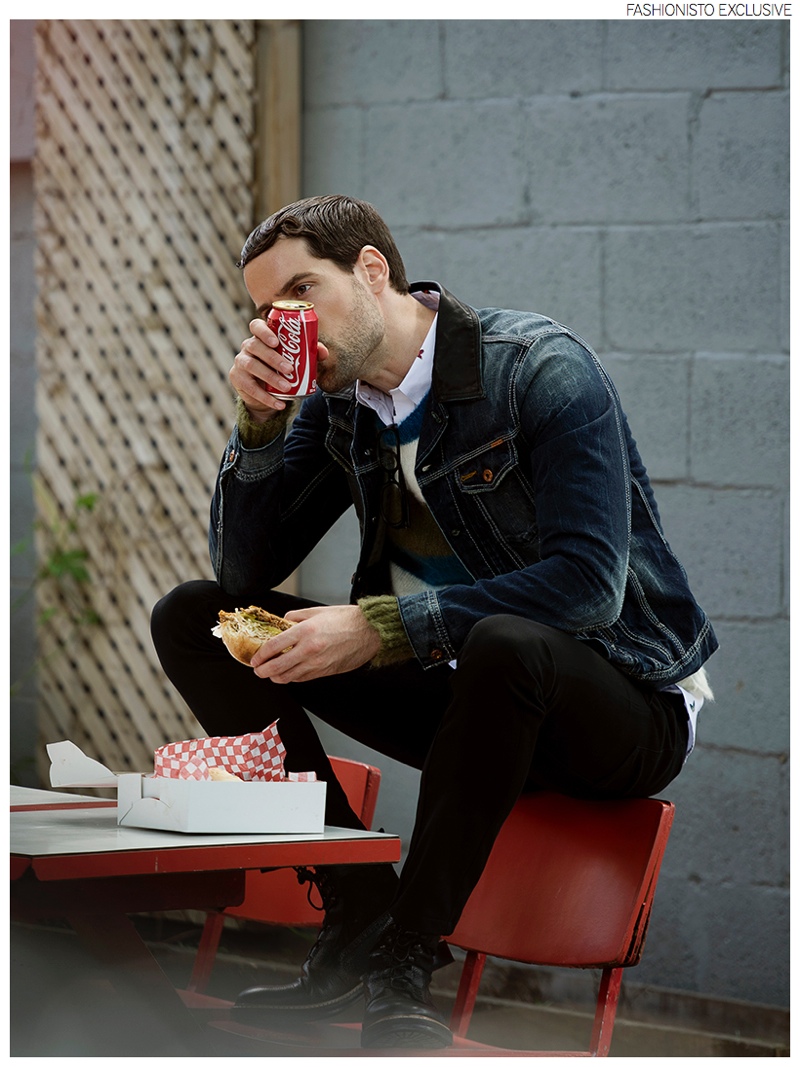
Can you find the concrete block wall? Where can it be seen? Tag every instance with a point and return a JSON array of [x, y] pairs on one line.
[[631, 179]]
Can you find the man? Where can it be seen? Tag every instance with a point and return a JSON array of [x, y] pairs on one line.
[[518, 620]]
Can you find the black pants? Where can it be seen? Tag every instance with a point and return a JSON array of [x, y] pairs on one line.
[[528, 708]]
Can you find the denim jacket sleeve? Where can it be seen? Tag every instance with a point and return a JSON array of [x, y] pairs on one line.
[[272, 504], [571, 444]]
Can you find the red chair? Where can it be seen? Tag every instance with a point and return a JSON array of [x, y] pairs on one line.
[[276, 897], [569, 883]]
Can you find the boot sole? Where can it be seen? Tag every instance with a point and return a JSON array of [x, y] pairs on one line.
[[409, 1032]]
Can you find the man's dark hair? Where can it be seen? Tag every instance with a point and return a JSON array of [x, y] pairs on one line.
[[335, 228]]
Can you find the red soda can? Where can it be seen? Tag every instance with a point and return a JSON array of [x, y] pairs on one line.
[[295, 323]]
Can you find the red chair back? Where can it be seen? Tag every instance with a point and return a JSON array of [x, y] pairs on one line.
[[569, 883]]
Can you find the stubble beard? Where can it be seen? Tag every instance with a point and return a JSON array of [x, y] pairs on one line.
[[350, 356]]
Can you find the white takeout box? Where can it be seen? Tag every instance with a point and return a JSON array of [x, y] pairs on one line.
[[194, 807]]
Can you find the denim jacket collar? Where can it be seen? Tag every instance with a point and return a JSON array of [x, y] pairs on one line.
[[457, 361]]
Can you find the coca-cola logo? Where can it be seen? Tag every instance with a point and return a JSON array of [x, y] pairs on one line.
[[290, 335]]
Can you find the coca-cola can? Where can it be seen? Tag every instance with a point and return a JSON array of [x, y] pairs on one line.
[[295, 323]]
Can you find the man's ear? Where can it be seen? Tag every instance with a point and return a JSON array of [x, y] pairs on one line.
[[374, 267]]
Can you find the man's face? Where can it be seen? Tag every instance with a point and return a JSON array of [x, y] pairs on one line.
[[351, 325]]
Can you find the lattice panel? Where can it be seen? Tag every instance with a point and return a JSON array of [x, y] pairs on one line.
[[144, 191]]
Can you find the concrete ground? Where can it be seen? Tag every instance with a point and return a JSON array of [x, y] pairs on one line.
[[62, 1005]]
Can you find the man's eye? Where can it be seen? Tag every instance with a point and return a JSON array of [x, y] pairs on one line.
[[303, 288]]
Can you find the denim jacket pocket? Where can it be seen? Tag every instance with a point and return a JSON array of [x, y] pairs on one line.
[[484, 470], [496, 499]]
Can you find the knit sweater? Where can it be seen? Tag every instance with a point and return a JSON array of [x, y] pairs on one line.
[[419, 556]]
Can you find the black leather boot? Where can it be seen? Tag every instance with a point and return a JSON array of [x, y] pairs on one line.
[[354, 899], [400, 1012]]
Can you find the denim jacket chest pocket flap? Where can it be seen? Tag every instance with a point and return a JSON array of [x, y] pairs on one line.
[[484, 469], [496, 499]]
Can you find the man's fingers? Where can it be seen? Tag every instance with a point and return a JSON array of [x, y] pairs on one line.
[[273, 647], [255, 377], [284, 667]]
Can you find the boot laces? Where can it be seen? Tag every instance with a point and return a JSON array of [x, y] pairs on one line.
[[329, 898], [405, 951], [323, 883]]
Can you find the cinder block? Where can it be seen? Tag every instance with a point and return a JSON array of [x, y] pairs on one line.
[[693, 55], [731, 544], [730, 834], [750, 677], [397, 800], [521, 57], [784, 237], [365, 61], [554, 271], [740, 156], [731, 941], [748, 923], [787, 559], [731, 820], [472, 175], [333, 172], [673, 952], [740, 419], [425, 256], [609, 159], [655, 396], [699, 287], [326, 570]]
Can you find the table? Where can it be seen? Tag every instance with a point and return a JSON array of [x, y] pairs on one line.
[[70, 859], [24, 798]]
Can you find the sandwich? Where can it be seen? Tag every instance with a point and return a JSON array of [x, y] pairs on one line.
[[245, 630], [219, 774]]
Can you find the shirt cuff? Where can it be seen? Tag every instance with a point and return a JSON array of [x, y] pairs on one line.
[[383, 614]]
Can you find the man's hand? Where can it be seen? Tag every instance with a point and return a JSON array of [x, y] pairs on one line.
[[325, 641], [257, 364]]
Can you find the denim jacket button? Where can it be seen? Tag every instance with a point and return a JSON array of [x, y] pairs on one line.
[[437, 654], [455, 533], [231, 457], [487, 475]]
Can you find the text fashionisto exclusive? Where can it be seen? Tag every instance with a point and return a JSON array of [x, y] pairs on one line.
[[517, 621]]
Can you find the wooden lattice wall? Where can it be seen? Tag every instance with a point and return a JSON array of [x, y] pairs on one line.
[[146, 184]]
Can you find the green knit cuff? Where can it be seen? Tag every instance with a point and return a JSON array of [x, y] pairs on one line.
[[383, 613], [254, 434]]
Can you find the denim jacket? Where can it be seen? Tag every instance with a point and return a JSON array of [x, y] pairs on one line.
[[527, 464]]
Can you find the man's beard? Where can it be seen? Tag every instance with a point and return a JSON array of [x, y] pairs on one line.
[[349, 355]]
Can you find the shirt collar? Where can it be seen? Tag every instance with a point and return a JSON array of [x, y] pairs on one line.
[[398, 403]]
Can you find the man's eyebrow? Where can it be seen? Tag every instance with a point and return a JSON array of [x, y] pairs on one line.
[[295, 278]]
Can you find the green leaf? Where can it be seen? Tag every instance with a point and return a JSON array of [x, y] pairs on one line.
[[69, 563], [87, 501]]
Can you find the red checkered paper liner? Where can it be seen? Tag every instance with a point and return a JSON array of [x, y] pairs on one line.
[[256, 757]]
